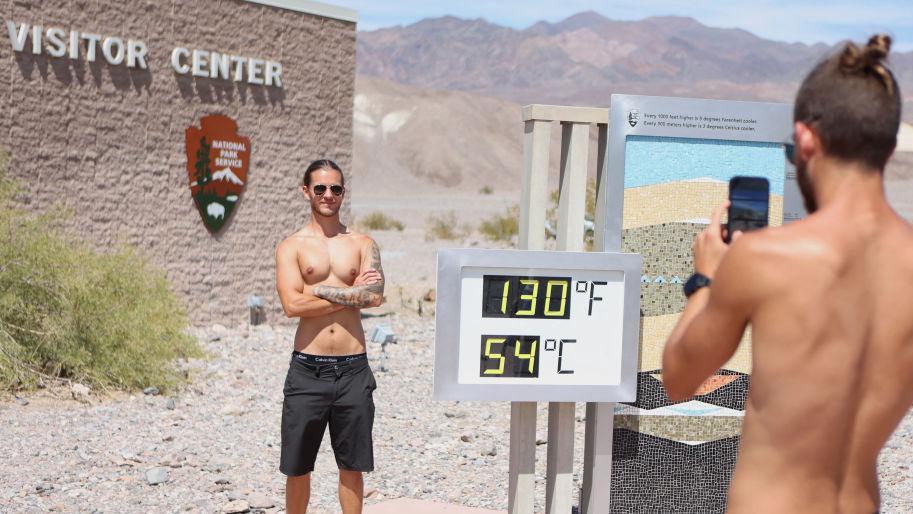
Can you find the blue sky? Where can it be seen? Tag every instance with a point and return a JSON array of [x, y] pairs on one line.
[[806, 21]]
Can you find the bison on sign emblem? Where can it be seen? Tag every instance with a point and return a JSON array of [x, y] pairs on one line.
[[217, 161]]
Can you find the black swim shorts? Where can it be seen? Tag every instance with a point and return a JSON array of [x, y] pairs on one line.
[[321, 390]]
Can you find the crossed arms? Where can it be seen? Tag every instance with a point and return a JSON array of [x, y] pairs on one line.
[[300, 300]]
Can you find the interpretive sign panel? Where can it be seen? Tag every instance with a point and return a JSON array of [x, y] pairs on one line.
[[668, 166]]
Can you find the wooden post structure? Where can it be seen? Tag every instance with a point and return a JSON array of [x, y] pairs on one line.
[[522, 467], [600, 417], [575, 131]]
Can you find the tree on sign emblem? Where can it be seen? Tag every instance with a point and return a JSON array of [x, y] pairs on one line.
[[217, 162]]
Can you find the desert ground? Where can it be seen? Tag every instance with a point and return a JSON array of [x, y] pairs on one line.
[[214, 445]]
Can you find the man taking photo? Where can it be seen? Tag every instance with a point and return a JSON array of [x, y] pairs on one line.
[[829, 301]]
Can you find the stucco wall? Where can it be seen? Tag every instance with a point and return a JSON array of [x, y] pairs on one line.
[[107, 142]]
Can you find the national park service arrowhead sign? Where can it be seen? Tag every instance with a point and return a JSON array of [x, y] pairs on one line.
[[217, 162]]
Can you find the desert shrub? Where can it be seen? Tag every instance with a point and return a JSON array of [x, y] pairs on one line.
[[102, 319], [380, 221], [446, 226], [502, 227], [486, 190]]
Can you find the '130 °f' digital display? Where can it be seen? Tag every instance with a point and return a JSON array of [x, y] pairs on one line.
[[526, 297]]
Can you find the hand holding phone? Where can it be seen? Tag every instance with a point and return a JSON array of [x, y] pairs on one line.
[[749, 203]]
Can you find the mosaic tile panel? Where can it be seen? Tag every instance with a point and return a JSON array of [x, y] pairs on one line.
[[678, 457], [688, 429], [666, 251], [659, 160], [731, 395], [651, 205], [655, 475], [655, 329]]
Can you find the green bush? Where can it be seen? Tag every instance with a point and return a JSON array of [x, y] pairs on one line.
[[502, 227], [101, 319], [446, 226], [380, 221], [486, 190]]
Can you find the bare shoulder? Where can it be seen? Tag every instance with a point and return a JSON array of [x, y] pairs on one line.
[[804, 240], [362, 240], [767, 260], [360, 237], [900, 238], [294, 243]]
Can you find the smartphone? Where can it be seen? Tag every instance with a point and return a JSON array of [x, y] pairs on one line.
[[749, 202]]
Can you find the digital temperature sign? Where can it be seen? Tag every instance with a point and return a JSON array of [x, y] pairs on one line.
[[537, 326]]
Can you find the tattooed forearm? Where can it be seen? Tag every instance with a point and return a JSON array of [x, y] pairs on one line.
[[368, 295], [358, 296], [375, 261]]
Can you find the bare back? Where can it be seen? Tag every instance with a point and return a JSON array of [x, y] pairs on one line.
[[832, 329], [336, 262]]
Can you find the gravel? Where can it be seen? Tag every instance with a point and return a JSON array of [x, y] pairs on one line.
[[214, 446]]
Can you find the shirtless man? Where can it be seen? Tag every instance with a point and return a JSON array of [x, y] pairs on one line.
[[325, 273], [829, 301]]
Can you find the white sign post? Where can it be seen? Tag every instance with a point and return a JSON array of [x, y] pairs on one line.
[[529, 326]]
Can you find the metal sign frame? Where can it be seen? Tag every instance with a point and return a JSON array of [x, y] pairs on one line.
[[773, 123], [450, 264]]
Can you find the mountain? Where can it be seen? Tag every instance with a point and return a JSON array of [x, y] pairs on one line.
[[227, 174], [586, 57], [433, 140]]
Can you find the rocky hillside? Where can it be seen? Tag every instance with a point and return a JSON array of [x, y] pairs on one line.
[[583, 59]]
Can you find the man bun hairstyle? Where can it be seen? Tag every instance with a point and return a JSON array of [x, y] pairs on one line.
[[869, 60], [852, 101], [321, 164]]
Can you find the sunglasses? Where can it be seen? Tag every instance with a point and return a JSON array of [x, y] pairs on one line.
[[336, 189], [789, 148]]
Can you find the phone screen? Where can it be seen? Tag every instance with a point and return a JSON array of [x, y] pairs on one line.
[[749, 203]]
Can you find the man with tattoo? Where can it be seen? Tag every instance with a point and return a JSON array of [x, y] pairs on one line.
[[325, 273]]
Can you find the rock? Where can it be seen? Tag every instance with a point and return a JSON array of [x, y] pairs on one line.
[[217, 332], [157, 476], [454, 414], [223, 480], [378, 312], [260, 501], [372, 493], [233, 409], [491, 452], [430, 296], [219, 464], [540, 442], [173, 461], [235, 507], [127, 454], [79, 392], [151, 391], [487, 416], [235, 496], [22, 401], [467, 438], [42, 487], [170, 404]]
